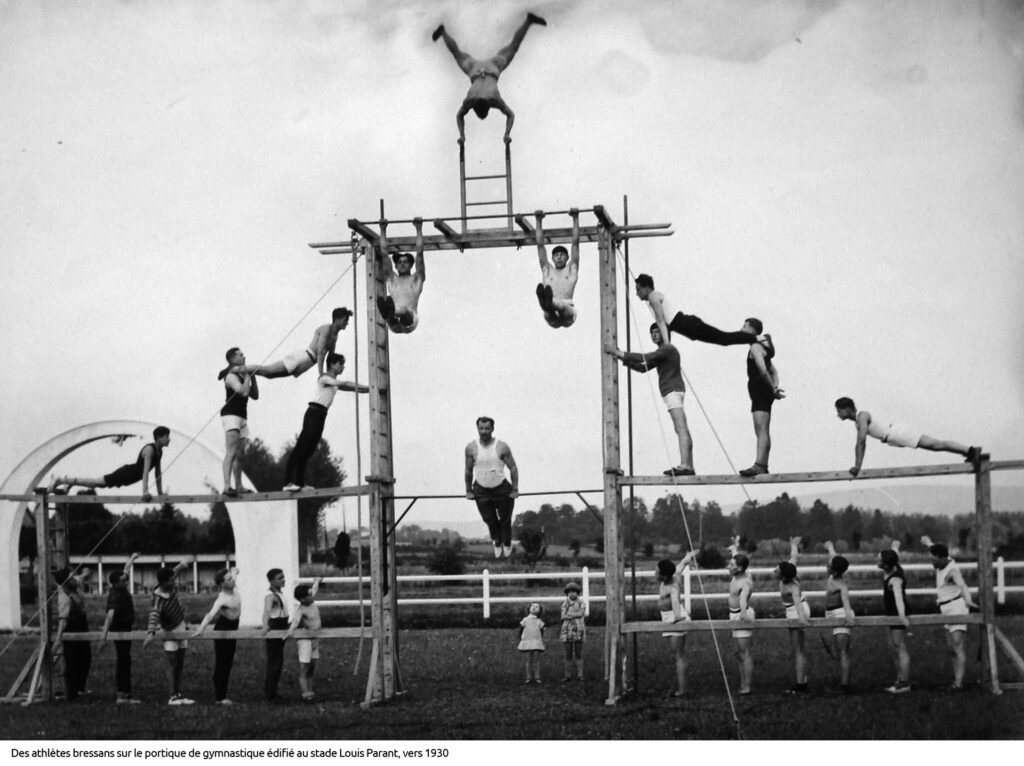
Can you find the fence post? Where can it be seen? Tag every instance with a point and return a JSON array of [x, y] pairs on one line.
[[585, 579], [1000, 580], [486, 578], [686, 589]]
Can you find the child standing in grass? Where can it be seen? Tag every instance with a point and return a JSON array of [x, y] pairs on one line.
[[307, 616], [573, 632], [531, 641], [837, 606], [672, 611], [796, 610], [226, 609], [168, 615], [894, 601]]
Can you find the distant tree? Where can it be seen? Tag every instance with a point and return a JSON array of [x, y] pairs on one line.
[[855, 540], [532, 541], [709, 557], [666, 525], [219, 536], [599, 544], [342, 551], [819, 523], [91, 528], [574, 546], [447, 559], [715, 525], [849, 524], [879, 526], [649, 550], [963, 535]]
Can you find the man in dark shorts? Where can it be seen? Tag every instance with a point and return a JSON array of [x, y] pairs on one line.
[[665, 359], [763, 389], [483, 75], [148, 460]]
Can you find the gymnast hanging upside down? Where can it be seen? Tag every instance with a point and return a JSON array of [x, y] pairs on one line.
[[483, 75]]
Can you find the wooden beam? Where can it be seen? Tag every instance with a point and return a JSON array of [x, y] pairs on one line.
[[874, 621], [524, 224], [449, 233], [812, 476], [363, 230], [1010, 651], [210, 634], [249, 497]]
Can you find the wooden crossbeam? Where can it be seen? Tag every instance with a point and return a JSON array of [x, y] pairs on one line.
[[210, 633], [812, 476], [447, 231], [362, 230], [250, 497], [874, 621]]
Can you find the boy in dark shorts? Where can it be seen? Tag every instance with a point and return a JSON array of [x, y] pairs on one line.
[[148, 460]]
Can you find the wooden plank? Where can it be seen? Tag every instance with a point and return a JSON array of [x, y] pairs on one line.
[[874, 621], [447, 231], [1010, 651], [210, 634], [804, 477], [363, 230], [250, 497]]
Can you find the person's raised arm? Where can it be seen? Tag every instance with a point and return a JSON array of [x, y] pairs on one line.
[[127, 571], [208, 618], [654, 301], [316, 586], [926, 541], [574, 248], [542, 251], [830, 549], [794, 549], [863, 421], [421, 266], [295, 622]]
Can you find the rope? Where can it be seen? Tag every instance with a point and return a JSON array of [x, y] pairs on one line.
[[17, 634], [686, 526]]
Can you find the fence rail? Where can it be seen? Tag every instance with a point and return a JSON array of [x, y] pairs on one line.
[[585, 577]]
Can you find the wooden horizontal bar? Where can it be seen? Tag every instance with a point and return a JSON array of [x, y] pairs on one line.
[[210, 633], [249, 497], [813, 476], [525, 225], [873, 621], [447, 231], [481, 178], [521, 494], [484, 204], [363, 230]]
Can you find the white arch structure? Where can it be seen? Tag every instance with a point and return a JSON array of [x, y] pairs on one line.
[[266, 533]]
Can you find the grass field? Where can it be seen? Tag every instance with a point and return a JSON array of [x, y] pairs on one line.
[[466, 683]]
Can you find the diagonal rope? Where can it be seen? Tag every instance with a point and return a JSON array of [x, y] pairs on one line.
[[686, 526], [18, 633]]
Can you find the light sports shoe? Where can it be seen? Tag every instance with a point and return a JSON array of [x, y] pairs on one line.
[[498, 551], [180, 699], [128, 701], [898, 688], [293, 487], [224, 701]]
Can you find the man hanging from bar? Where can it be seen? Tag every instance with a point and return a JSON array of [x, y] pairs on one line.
[[483, 75], [399, 308], [896, 435], [558, 277]]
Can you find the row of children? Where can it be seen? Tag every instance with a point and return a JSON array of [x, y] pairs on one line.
[[167, 616], [952, 596]]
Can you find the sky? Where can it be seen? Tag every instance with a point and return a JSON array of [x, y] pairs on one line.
[[849, 172]]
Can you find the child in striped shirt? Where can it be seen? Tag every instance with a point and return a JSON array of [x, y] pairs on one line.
[[167, 614]]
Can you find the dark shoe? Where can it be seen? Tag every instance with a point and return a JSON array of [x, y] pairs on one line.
[[676, 471], [533, 18], [437, 32], [231, 492], [755, 470]]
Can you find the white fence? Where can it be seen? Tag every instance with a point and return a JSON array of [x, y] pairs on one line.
[[692, 580]]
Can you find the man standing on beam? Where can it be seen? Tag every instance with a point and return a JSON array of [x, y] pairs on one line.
[[558, 277], [665, 359], [895, 435], [486, 461], [404, 288], [483, 75], [763, 389]]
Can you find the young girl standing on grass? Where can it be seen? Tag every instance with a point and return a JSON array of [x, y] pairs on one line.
[[531, 641], [574, 631]]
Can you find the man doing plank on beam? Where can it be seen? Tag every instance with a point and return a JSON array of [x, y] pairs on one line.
[[148, 460], [895, 435]]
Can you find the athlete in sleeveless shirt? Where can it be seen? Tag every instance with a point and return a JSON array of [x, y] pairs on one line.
[[495, 496], [148, 460]]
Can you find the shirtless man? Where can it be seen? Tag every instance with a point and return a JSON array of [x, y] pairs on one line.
[[895, 435], [689, 325], [404, 287], [558, 281], [953, 598], [324, 340], [740, 587], [486, 461], [483, 75], [665, 359], [148, 460], [763, 389]]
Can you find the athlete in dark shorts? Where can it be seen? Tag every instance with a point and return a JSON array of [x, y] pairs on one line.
[[131, 473], [763, 389]]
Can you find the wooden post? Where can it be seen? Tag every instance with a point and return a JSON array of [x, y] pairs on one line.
[[381, 683], [986, 595], [462, 183], [508, 183], [43, 585], [614, 586]]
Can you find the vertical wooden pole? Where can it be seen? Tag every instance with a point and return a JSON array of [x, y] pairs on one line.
[[43, 565], [508, 182], [614, 586], [462, 183], [986, 595], [383, 593]]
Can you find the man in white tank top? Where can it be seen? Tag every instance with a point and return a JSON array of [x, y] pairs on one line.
[[558, 278], [953, 598], [399, 309], [495, 496], [896, 435]]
